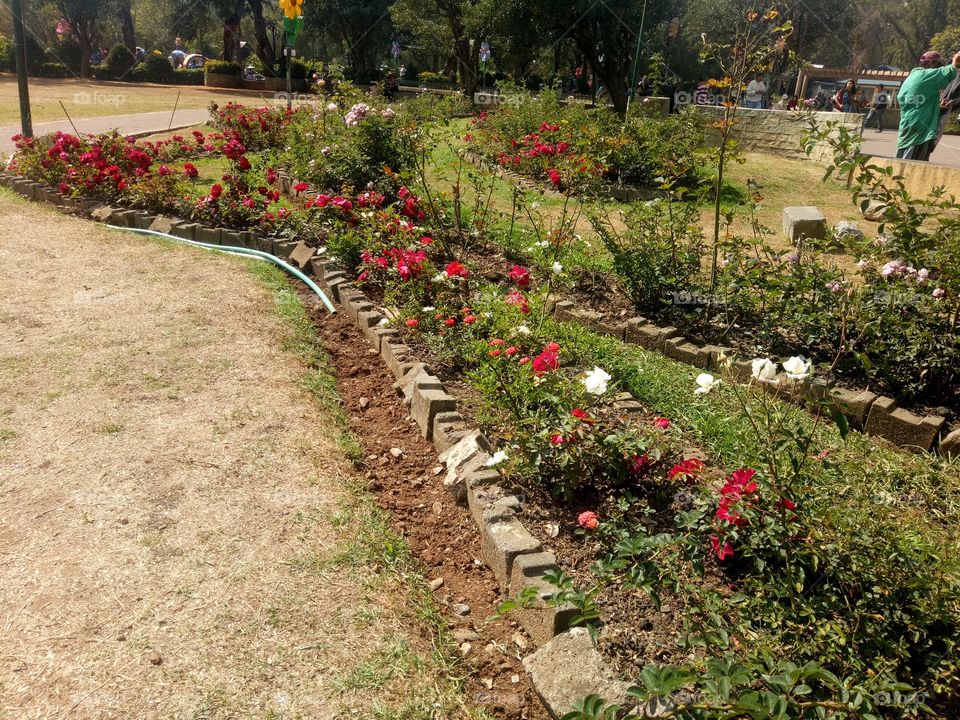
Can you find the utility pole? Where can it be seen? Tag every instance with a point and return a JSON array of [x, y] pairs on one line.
[[20, 53]]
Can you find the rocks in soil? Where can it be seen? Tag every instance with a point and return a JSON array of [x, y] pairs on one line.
[[364, 403], [436, 584], [396, 452], [461, 609], [463, 635], [155, 658]]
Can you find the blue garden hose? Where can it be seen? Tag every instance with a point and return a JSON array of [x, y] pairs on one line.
[[240, 251]]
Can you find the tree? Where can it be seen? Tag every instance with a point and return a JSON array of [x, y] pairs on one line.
[[265, 50], [127, 26], [84, 17], [361, 29], [946, 41], [605, 35]]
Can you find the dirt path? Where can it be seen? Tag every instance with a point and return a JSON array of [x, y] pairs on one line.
[[175, 539]]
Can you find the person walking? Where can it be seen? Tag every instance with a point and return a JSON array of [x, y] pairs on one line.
[[919, 100], [846, 97], [756, 90], [880, 103]]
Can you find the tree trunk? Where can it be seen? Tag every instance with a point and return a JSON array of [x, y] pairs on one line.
[[231, 32], [86, 47], [265, 50], [127, 27]]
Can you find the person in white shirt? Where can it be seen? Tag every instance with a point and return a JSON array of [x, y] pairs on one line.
[[756, 90]]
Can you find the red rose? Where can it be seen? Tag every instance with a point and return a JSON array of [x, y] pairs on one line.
[[724, 551], [520, 276], [661, 423], [190, 170], [545, 362], [588, 520]]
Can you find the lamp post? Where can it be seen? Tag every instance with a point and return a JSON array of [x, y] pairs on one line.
[[20, 53]]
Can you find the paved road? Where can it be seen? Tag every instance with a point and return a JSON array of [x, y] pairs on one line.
[[885, 145], [137, 124]]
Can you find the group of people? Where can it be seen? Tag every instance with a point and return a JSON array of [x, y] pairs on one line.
[[928, 99]]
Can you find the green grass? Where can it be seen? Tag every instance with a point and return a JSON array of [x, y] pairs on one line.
[[717, 424]]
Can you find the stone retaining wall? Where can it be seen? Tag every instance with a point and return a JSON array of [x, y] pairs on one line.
[[778, 131]]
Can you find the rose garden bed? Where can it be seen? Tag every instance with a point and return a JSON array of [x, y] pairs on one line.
[[708, 540]]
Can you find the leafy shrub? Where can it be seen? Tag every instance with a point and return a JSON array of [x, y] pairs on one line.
[[658, 254], [120, 61], [537, 136], [904, 315], [187, 77], [68, 52], [221, 67], [52, 70], [334, 150], [154, 68]]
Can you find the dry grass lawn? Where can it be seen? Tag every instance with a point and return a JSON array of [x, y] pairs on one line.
[[91, 98], [176, 536]]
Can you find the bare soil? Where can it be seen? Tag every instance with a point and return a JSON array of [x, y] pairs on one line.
[[172, 534], [441, 533]]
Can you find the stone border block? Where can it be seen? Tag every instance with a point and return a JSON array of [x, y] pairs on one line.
[[568, 668], [901, 427], [854, 405], [649, 336], [208, 235], [448, 429], [142, 220], [501, 541], [679, 348], [542, 622], [426, 403], [187, 231]]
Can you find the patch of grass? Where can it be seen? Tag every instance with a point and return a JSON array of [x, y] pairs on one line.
[[864, 463], [302, 342], [6, 435], [397, 659], [111, 428]]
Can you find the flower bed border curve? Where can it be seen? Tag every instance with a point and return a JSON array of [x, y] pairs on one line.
[[871, 414]]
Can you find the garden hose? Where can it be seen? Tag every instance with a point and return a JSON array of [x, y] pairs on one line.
[[240, 251]]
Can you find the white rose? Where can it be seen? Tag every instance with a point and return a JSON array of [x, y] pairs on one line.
[[764, 369], [706, 382], [498, 457], [596, 381], [557, 268], [797, 368]]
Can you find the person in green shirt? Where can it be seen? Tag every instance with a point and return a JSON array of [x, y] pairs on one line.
[[919, 100]]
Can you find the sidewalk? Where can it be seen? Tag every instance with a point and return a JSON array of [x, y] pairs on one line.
[[885, 145], [137, 124]]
